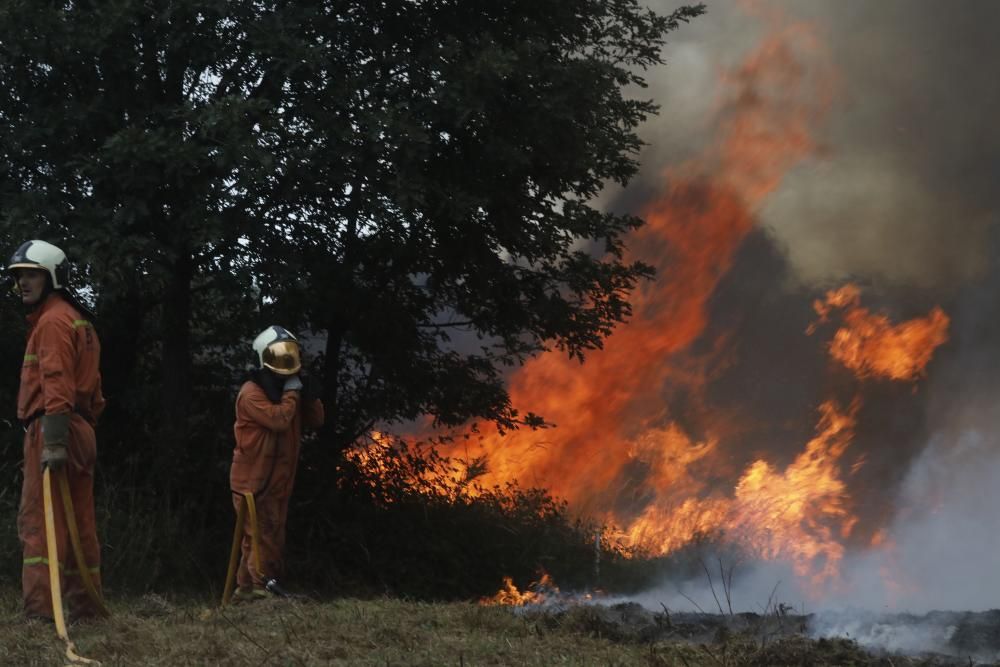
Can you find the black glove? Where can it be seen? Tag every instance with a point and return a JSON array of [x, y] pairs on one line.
[[311, 388]]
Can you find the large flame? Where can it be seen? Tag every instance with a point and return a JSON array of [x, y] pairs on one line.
[[795, 515], [610, 405], [617, 453]]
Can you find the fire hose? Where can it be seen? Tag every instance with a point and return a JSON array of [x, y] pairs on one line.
[[248, 505], [53, 557]]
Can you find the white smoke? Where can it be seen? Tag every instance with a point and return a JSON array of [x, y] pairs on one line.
[[941, 552], [894, 634], [758, 588]]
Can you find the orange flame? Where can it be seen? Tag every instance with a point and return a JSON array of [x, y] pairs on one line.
[[617, 453], [871, 346], [606, 406], [509, 595], [796, 515], [615, 446]]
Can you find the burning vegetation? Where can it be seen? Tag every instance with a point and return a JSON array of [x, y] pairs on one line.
[[620, 452], [536, 593]]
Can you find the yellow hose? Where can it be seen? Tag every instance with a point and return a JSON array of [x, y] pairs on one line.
[[255, 534], [234, 553], [74, 536], [54, 583]]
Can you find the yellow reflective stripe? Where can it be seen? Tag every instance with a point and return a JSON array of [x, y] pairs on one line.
[[80, 323], [30, 357], [37, 560]]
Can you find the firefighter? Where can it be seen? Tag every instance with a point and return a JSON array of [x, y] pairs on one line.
[[272, 408], [58, 404]]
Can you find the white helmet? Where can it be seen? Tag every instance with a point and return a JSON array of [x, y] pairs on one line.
[[278, 350], [41, 255]]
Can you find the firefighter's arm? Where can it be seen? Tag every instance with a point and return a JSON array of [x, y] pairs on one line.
[[56, 368], [255, 406]]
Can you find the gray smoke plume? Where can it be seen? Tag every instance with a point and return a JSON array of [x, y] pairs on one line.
[[905, 191]]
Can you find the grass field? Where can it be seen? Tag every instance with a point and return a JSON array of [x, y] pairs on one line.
[[151, 630]]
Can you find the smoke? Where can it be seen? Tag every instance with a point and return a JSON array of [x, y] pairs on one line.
[[939, 554], [704, 412], [900, 198], [910, 595], [904, 192], [940, 551]]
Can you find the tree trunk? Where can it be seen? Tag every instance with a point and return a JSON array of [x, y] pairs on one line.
[[331, 371], [120, 322], [176, 398]]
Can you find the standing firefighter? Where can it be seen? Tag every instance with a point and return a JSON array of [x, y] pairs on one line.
[[271, 409], [58, 403]]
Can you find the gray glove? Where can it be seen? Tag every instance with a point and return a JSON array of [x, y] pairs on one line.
[[55, 435], [294, 383], [54, 457]]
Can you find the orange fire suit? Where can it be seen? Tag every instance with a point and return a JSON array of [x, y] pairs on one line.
[[268, 436], [60, 375]]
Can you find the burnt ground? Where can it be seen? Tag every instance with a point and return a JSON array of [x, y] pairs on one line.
[[785, 638]]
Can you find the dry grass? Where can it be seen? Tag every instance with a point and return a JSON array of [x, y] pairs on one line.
[[381, 633]]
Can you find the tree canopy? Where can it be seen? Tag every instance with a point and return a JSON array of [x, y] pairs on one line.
[[410, 180]]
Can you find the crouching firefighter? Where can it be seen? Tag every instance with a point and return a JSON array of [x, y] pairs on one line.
[[58, 403], [272, 408]]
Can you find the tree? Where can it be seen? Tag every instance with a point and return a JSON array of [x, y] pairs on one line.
[[410, 179], [455, 197], [388, 174]]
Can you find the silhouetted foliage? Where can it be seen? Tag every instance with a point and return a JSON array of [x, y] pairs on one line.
[[408, 181]]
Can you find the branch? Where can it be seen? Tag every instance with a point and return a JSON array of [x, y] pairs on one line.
[[727, 587], [443, 325], [711, 586], [683, 595]]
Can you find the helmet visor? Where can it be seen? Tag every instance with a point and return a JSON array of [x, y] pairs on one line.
[[283, 357], [25, 265]]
